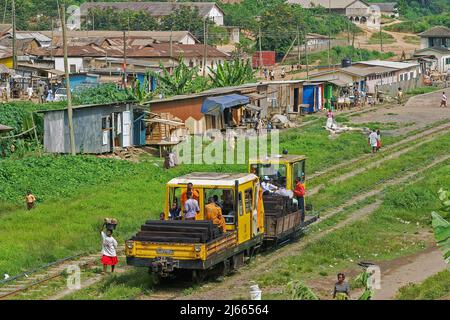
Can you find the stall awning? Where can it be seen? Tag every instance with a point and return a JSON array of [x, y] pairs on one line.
[[253, 107], [215, 105]]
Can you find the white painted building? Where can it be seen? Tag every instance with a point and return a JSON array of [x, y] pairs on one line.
[[357, 11]]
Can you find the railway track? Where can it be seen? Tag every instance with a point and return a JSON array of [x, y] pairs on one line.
[[420, 135], [47, 273], [57, 269]]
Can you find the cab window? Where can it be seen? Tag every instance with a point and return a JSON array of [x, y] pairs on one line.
[[275, 172], [298, 171], [248, 200], [225, 199]]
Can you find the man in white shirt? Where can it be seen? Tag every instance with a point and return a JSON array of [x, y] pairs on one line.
[[443, 100], [191, 208], [373, 139], [30, 92], [267, 186]]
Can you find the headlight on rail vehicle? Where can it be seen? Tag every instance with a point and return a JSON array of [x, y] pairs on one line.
[[197, 248], [130, 244]]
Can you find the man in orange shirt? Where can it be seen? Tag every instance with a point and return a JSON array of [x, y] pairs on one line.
[[189, 188], [299, 192], [214, 213]]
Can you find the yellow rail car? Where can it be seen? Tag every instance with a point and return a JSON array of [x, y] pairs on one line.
[[282, 222], [165, 246]]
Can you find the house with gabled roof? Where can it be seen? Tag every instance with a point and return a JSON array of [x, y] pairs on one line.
[[159, 9]]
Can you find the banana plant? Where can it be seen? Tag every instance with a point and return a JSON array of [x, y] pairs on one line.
[[139, 93], [441, 226], [231, 73], [183, 80], [297, 290]]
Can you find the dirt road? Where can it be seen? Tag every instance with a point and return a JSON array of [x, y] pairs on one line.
[[417, 113], [411, 269]]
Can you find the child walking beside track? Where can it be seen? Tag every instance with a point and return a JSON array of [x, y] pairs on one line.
[[109, 246]]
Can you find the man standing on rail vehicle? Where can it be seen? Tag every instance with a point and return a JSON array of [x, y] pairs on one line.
[[189, 188], [299, 192]]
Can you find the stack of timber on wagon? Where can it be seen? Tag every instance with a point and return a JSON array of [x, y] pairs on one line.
[[182, 231], [282, 217]]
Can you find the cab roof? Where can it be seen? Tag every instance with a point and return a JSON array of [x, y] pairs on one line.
[[218, 179], [278, 158]]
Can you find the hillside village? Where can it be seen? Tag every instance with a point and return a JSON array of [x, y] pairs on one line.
[[95, 110]]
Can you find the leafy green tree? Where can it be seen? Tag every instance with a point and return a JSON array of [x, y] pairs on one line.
[[185, 18], [232, 73]]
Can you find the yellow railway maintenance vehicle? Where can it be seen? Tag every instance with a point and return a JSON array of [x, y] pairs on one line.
[[169, 245], [284, 220]]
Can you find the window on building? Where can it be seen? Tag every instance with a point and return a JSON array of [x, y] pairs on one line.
[[73, 68], [447, 60], [401, 77]]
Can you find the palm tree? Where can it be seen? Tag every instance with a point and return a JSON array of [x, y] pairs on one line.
[[231, 73]]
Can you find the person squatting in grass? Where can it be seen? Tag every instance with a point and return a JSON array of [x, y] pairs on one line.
[[30, 199], [109, 246], [341, 289]]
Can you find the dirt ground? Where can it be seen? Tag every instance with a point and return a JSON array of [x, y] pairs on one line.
[[417, 113], [394, 274]]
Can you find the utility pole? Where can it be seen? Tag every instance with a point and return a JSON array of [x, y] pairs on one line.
[[381, 39], [260, 44], [124, 59], [14, 44], [306, 55], [66, 71], [298, 43], [205, 41], [329, 34], [171, 47], [51, 42]]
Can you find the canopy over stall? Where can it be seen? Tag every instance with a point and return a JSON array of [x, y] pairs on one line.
[[216, 105]]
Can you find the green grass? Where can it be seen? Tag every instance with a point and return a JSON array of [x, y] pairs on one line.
[[389, 232], [422, 90], [124, 286], [408, 161], [75, 193], [435, 287]]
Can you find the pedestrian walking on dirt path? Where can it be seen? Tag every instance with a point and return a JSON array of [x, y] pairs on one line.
[[373, 140], [30, 199], [378, 139], [400, 96], [443, 100], [109, 246], [341, 288]]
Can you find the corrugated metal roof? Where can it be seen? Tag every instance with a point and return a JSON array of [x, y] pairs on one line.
[[156, 9], [389, 64], [385, 6], [439, 31], [335, 4], [32, 35], [367, 71]]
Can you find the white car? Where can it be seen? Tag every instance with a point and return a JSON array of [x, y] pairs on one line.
[[61, 94]]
